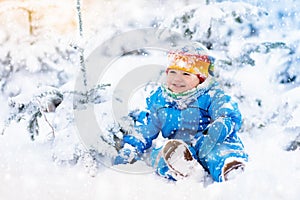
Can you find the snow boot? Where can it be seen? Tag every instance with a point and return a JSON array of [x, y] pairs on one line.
[[231, 169], [179, 158]]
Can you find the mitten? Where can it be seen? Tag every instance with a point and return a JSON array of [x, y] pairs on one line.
[[139, 116], [215, 134], [128, 154]]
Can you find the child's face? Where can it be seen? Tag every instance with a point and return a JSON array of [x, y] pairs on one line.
[[180, 81]]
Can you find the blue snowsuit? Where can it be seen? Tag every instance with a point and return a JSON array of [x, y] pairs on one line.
[[208, 125]]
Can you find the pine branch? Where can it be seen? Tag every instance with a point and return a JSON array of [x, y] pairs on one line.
[[295, 144], [33, 125]]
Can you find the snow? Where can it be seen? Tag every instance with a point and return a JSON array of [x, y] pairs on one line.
[[45, 169]]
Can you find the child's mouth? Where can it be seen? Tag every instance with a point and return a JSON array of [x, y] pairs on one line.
[[178, 86]]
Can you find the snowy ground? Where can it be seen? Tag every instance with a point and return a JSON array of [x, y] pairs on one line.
[[28, 170]]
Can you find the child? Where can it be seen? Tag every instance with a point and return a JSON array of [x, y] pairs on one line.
[[192, 113]]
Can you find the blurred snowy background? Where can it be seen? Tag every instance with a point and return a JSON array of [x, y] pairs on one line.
[[41, 48]]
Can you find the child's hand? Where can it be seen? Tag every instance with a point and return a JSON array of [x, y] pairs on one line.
[[213, 135], [139, 116], [127, 154]]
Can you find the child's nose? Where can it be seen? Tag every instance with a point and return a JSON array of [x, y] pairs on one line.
[[177, 77]]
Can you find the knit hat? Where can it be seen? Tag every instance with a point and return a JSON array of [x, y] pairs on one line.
[[196, 62]]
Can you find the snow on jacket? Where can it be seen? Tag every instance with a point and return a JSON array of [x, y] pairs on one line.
[[206, 118]]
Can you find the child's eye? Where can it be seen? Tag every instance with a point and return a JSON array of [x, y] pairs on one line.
[[172, 72], [186, 74]]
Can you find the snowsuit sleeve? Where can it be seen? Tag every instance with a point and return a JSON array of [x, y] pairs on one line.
[[225, 120], [147, 125]]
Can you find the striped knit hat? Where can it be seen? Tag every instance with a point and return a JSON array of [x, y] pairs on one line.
[[196, 62]]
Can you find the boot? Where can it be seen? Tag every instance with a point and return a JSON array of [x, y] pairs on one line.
[[232, 168], [179, 158]]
